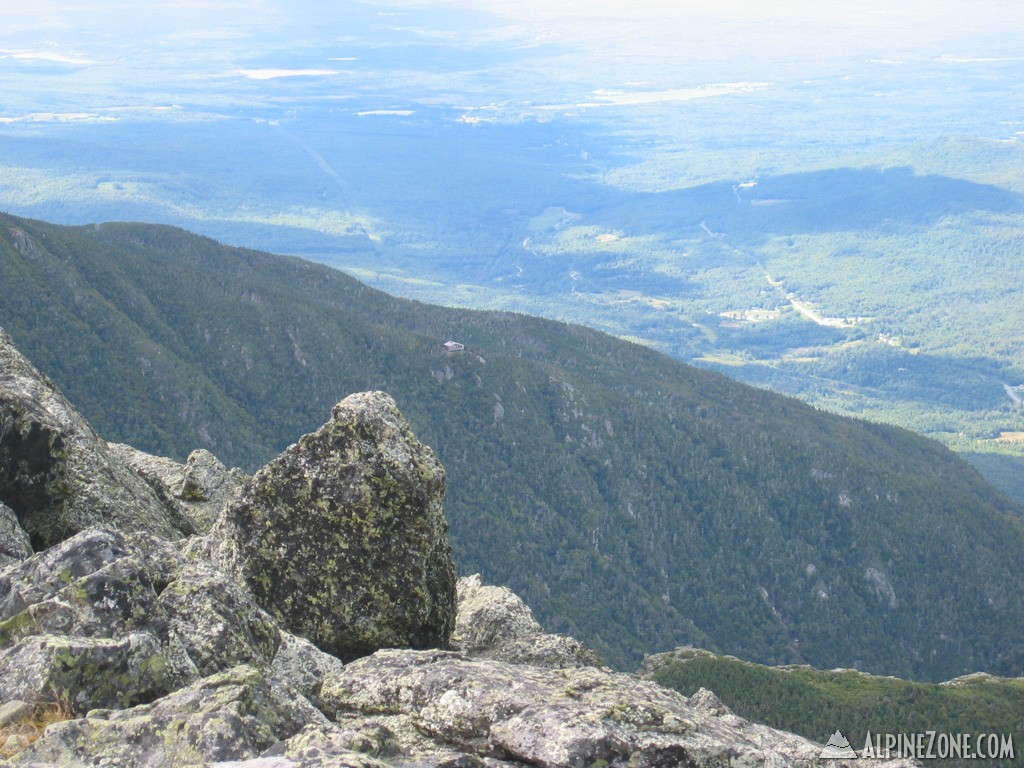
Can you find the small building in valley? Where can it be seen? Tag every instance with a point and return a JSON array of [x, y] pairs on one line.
[[454, 346]]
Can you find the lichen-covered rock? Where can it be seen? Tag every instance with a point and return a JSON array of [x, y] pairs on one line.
[[122, 619], [399, 742], [198, 490], [56, 474], [388, 740], [343, 539], [489, 616], [217, 621], [544, 650], [98, 583], [91, 672], [495, 623], [233, 715], [555, 718], [14, 542], [324, 745], [83, 619], [300, 664]]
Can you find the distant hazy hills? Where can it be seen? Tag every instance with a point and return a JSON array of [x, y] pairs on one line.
[[632, 500]]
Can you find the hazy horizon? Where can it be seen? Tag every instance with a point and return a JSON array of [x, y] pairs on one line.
[[104, 55]]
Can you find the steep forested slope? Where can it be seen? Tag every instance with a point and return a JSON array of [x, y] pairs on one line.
[[632, 500]]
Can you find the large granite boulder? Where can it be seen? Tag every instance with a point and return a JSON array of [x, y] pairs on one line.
[[56, 473], [494, 623], [343, 538]]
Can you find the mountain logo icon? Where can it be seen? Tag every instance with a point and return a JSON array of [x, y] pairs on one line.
[[838, 748]]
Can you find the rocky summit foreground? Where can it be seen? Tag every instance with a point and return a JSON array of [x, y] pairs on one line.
[[160, 614]]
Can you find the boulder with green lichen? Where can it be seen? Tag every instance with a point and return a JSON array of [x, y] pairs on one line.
[[217, 621], [92, 672], [343, 538], [98, 582], [120, 619], [320, 745]]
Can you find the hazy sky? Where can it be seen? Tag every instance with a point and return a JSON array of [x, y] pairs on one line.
[[906, 24], [98, 52]]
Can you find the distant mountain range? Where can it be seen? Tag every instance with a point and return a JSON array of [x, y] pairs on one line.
[[633, 501]]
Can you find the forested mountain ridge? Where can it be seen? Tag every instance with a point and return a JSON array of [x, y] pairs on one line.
[[815, 702], [634, 501]]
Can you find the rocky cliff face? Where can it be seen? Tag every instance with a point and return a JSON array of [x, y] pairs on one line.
[[159, 644], [56, 474]]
